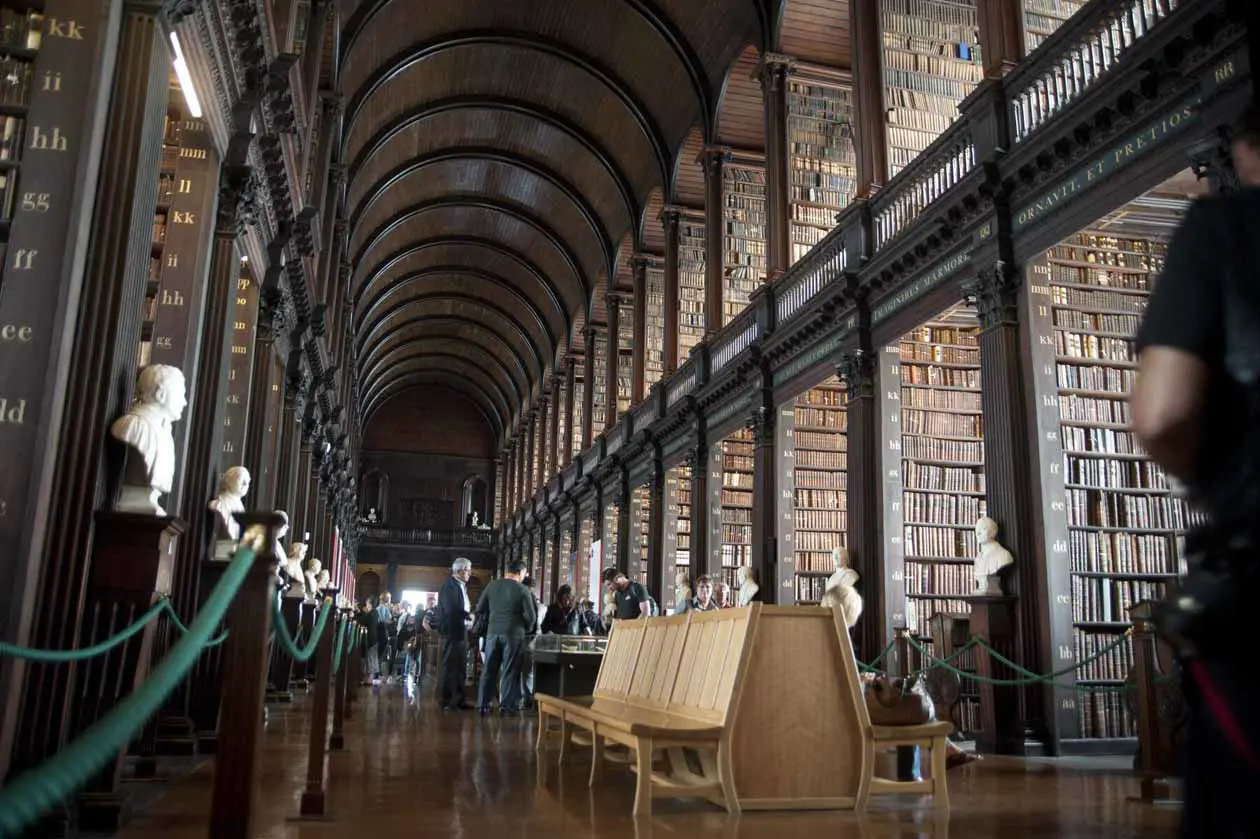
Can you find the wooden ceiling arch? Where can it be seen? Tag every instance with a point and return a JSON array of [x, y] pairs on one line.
[[465, 346], [451, 362], [508, 352], [418, 380]]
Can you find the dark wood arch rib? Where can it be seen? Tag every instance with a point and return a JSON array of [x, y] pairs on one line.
[[646, 9], [370, 334], [519, 213], [470, 349], [418, 379], [436, 322], [544, 281], [450, 362], [567, 189], [529, 41], [494, 103], [402, 283]]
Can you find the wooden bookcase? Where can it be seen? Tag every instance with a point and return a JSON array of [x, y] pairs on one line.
[[931, 63], [653, 326], [680, 508], [820, 486], [582, 576], [21, 33], [161, 217], [737, 504], [625, 358], [241, 363], [691, 262], [599, 402], [822, 162], [669, 561], [565, 562], [744, 234], [1042, 17], [1116, 537], [579, 386], [612, 540], [640, 530]]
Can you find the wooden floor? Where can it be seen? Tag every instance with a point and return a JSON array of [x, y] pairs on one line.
[[411, 770]]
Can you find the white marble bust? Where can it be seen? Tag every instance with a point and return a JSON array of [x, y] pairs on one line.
[[843, 573], [323, 580], [294, 572], [310, 576], [748, 587], [145, 429], [844, 599], [991, 559], [682, 591], [233, 485]]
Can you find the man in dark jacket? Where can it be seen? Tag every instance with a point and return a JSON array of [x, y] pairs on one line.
[[454, 613], [510, 617]]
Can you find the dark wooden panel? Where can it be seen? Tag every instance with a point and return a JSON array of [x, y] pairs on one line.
[[408, 423], [652, 232], [817, 31], [688, 175], [741, 120]]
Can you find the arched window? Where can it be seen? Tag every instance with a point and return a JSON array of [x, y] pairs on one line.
[[473, 500]]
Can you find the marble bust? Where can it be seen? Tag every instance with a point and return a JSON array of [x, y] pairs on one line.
[[843, 573], [293, 572], [145, 429], [682, 591], [992, 558], [748, 587], [323, 580], [310, 576], [843, 599], [233, 485]]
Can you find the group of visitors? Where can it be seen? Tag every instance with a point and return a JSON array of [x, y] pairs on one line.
[[393, 635]]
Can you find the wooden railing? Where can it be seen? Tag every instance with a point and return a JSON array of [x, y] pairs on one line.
[[456, 538], [932, 174]]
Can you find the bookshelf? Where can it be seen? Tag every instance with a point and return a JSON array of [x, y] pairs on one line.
[[931, 63], [669, 562], [653, 326], [171, 130], [640, 527], [942, 471], [625, 357], [744, 236], [820, 520], [578, 402], [691, 264], [21, 35], [564, 566], [599, 402], [1042, 17], [1116, 537], [681, 478], [612, 511], [737, 504], [822, 162], [582, 576]]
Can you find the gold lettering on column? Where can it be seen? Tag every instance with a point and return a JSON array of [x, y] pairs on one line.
[[12, 333], [192, 154], [185, 186], [12, 411], [52, 81], [44, 140], [240, 350], [35, 202], [171, 298], [242, 301], [231, 375], [183, 217], [228, 447], [240, 324], [24, 260], [162, 343], [242, 284], [234, 399], [57, 28], [172, 260]]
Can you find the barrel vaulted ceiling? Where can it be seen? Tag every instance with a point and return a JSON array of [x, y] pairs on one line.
[[504, 160]]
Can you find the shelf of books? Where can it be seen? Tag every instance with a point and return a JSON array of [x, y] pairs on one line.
[[653, 325], [1042, 17], [691, 262], [744, 236], [822, 161], [670, 563], [161, 215], [820, 485], [931, 63], [599, 401], [680, 478], [578, 402], [942, 472], [625, 358], [582, 576], [737, 504], [1120, 531], [612, 511], [564, 568], [640, 528], [21, 33]]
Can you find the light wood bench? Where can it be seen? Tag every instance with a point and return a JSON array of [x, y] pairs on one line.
[[767, 700]]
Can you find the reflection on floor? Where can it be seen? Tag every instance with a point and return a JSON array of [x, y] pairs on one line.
[[411, 770]]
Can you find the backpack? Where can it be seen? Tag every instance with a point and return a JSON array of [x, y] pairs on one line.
[[654, 609]]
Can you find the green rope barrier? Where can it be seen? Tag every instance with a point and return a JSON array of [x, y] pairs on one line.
[[343, 645], [63, 656], [872, 667], [182, 627], [286, 639], [33, 793], [1030, 677]]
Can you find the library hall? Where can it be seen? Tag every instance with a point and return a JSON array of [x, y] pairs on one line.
[[629, 418]]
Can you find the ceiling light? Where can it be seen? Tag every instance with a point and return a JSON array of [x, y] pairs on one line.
[[185, 79]]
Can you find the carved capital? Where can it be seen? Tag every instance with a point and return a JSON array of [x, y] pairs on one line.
[[238, 200], [334, 105], [178, 10], [1212, 159], [671, 217], [761, 421], [773, 70], [995, 294], [713, 158], [856, 368], [697, 458]]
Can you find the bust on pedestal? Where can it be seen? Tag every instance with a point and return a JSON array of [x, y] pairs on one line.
[[992, 560], [843, 573], [293, 572], [748, 587], [233, 485], [311, 575], [145, 429], [682, 591]]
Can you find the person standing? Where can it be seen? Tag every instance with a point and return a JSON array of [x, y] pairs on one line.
[[454, 613], [630, 599], [703, 601], [1196, 410], [562, 617], [508, 608]]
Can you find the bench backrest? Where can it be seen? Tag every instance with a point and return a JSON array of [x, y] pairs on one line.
[[616, 669], [712, 661], [660, 655]]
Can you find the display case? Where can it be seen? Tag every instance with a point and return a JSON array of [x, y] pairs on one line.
[[566, 665]]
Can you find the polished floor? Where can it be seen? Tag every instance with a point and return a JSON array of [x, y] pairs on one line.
[[411, 770]]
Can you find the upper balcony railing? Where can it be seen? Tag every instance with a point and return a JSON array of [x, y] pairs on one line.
[[465, 537], [1059, 72]]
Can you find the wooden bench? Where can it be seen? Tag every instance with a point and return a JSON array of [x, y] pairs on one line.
[[766, 700]]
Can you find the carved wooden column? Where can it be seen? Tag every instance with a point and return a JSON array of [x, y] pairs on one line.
[[290, 433], [670, 219], [558, 455], [871, 142], [713, 159], [1009, 471], [55, 473], [856, 368], [613, 361], [638, 367], [588, 390], [773, 73], [542, 422], [660, 572], [1001, 35], [570, 385], [260, 436], [531, 454], [698, 464], [621, 495]]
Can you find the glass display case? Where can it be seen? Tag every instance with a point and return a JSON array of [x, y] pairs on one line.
[[589, 644], [566, 665]]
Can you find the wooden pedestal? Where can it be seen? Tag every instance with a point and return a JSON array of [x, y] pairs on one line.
[[280, 675], [132, 566], [1001, 730], [204, 685], [1161, 711]]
